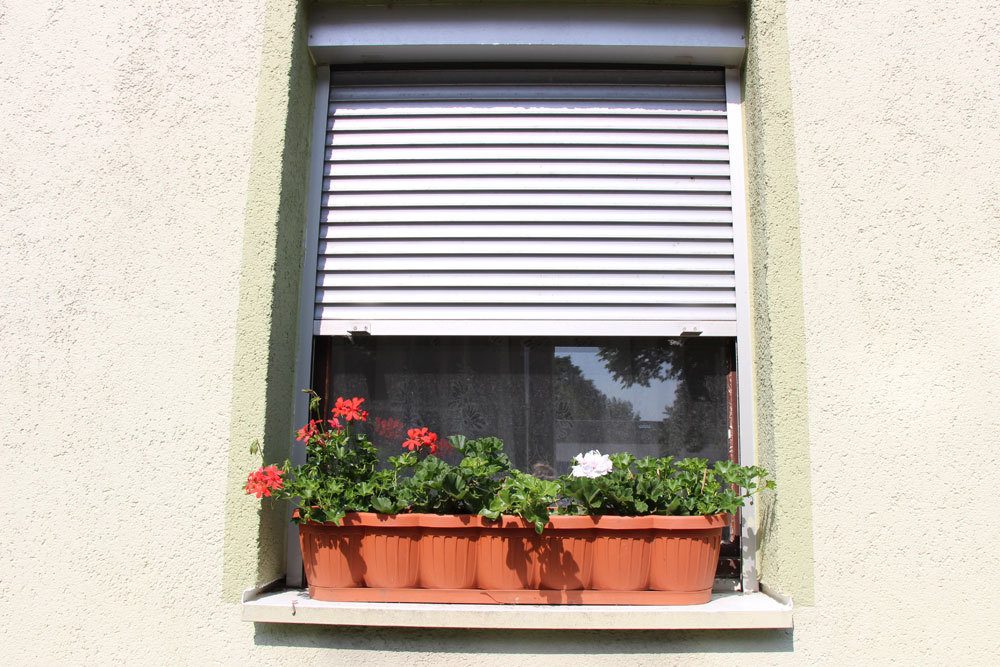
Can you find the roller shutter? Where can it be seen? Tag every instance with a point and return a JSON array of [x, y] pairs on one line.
[[526, 201]]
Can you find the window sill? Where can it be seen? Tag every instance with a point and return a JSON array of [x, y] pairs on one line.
[[724, 611]]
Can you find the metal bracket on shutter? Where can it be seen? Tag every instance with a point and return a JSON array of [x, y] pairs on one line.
[[359, 329], [690, 332]]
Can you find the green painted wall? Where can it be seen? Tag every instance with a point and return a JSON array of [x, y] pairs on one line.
[[780, 388], [268, 307]]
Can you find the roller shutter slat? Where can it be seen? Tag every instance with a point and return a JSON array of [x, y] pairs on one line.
[[555, 297], [521, 75], [525, 108], [526, 263], [406, 247], [525, 137], [524, 279], [515, 169], [362, 313], [337, 186], [606, 154], [496, 123], [531, 230], [527, 215], [544, 199], [529, 92]]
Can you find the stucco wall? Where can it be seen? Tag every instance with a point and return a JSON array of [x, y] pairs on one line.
[[148, 266], [897, 141]]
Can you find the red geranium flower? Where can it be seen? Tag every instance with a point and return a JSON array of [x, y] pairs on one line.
[[334, 423], [350, 409], [264, 480], [308, 431], [421, 437]]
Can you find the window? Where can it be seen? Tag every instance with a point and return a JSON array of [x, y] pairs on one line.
[[549, 254], [547, 398]]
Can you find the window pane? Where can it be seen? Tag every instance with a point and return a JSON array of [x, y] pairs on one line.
[[547, 398]]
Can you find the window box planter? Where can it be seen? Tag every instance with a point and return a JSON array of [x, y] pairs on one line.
[[430, 540], [648, 560]]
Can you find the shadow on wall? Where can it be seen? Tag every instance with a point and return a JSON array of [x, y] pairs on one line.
[[268, 311], [453, 641]]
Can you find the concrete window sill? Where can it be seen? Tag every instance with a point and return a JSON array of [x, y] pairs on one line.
[[724, 611]]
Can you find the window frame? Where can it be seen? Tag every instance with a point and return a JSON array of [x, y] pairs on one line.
[[744, 368]]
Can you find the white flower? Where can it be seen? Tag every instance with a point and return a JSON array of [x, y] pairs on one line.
[[591, 464]]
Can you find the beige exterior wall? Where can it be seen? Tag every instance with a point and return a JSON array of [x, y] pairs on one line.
[[147, 188]]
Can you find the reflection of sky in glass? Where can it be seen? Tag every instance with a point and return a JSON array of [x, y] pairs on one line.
[[648, 402]]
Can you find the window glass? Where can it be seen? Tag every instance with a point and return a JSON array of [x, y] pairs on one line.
[[547, 398]]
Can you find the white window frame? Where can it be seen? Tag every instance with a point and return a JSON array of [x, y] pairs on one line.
[[722, 52]]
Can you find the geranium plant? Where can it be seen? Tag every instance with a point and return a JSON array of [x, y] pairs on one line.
[[524, 496], [622, 485], [428, 484], [343, 474]]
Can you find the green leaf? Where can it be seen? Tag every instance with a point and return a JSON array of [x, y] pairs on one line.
[[383, 505]]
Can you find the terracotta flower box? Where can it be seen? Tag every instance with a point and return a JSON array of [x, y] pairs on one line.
[[648, 560]]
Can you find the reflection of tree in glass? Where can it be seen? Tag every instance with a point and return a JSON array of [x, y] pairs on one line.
[[577, 398], [685, 360], [696, 415], [690, 424]]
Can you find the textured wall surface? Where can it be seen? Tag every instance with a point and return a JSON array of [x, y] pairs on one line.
[[898, 160], [148, 203], [125, 134]]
